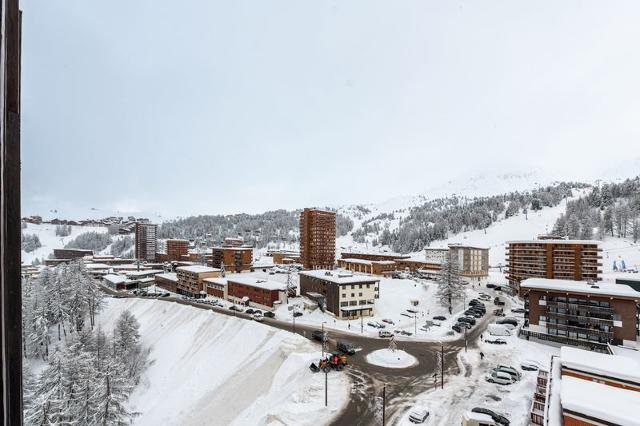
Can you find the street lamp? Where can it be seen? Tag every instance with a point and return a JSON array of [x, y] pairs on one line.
[[324, 339]]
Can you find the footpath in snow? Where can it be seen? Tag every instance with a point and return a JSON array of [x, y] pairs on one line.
[[213, 369]]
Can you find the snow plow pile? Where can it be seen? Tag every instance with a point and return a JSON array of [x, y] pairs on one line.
[[334, 361]]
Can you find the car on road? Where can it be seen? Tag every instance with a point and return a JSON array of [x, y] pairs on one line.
[[418, 415], [498, 418], [440, 318], [269, 314], [258, 316], [346, 347], [500, 378], [385, 334], [498, 341], [319, 335]]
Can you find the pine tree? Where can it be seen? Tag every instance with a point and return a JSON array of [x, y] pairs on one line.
[[450, 287], [113, 393]]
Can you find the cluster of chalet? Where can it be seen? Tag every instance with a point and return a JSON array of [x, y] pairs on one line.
[[583, 388], [121, 224]]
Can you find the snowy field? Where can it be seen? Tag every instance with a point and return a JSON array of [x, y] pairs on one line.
[[213, 369], [50, 241], [469, 389]]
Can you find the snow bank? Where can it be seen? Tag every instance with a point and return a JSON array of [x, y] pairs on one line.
[[389, 359], [212, 369]]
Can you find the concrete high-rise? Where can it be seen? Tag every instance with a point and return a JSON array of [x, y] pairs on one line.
[[317, 238], [146, 241]]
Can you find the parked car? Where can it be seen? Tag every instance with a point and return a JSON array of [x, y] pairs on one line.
[[498, 418], [388, 321], [346, 347], [297, 314], [371, 324], [510, 321], [384, 334], [498, 312], [518, 310], [439, 318], [258, 316], [498, 302], [498, 330], [412, 311], [465, 325], [418, 415], [456, 327], [319, 335], [509, 370], [500, 378], [489, 285], [249, 311], [529, 366], [269, 314], [235, 308], [498, 341], [474, 302], [469, 320], [473, 313]]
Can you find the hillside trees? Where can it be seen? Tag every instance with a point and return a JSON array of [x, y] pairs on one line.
[[96, 241]]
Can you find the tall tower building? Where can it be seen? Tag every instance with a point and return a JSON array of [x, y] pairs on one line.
[[317, 239], [146, 241]]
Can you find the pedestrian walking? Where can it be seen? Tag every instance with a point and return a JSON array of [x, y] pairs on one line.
[[481, 356], [481, 337]]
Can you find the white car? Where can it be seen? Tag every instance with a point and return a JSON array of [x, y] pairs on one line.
[[418, 415], [258, 317], [500, 378], [384, 334]]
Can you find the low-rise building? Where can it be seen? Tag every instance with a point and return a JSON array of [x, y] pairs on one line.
[[255, 290], [70, 253], [415, 265], [373, 256], [191, 279], [216, 287], [579, 313], [167, 281], [280, 257], [436, 254], [374, 267], [344, 294]]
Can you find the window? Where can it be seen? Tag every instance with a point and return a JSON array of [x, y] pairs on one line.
[[359, 294], [353, 295], [344, 295]]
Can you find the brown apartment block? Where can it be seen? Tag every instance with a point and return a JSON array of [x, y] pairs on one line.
[[191, 279], [373, 267], [580, 314], [373, 256], [146, 241], [579, 260], [255, 290], [317, 238], [176, 249], [234, 259], [71, 253]]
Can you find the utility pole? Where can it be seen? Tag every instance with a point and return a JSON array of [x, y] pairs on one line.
[[415, 324], [293, 314], [465, 339], [326, 398], [384, 404], [442, 367], [361, 323]]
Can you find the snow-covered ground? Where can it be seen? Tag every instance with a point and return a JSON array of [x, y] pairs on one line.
[[391, 359], [469, 389], [213, 369], [49, 240]]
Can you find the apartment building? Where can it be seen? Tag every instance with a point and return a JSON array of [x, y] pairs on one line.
[[583, 388], [283, 257], [436, 254], [317, 238], [374, 267], [167, 281], [473, 262], [175, 249], [373, 256], [191, 279], [255, 290], [68, 253], [579, 260], [343, 294], [234, 259], [579, 313], [146, 241], [216, 287]]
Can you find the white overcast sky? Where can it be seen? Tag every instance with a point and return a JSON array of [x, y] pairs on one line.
[[230, 106]]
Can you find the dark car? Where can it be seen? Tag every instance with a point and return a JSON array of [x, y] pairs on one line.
[[297, 314], [269, 314], [320, 336], [510, 321], [468, 320], [346, 347], [456, 327], [498, 302], [496, 341], [495, 416], [235, 308], [474, 313], [257, 311], [489, 285], [439, 318], [413, 311], [249, 311], [473, 302], [518, 311]]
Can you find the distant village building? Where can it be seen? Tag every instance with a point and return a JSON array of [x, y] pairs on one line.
[[579, 313], [255, 290], [70, 253], [317, 238], [191, 279], [579, 260], [344, 294], [373, 256], [146, 241]]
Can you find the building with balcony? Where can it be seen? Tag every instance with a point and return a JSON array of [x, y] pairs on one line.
[[234, 259], [373, 256], [578, 313], [256, 291], [216, 287], [191, 279], [146, 241], [317, 238], [175, 249], [343, 294], [167, 281], [579, 260], [473, 262], [373, 267]]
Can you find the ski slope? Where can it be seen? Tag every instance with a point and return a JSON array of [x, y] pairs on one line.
[[214, 369]]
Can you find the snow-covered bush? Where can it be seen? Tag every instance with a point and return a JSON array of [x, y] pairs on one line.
[[30, 242], [63, 230]]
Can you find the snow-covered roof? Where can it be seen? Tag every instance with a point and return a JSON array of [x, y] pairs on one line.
[[462, 245], [603, 402], [232, 248], [338, 277], [614, 366], [97, 266], [172, 276], [257, 282], [369, 262], [197, 269], [144, 272], [356, 307], [218, 281], [571, 286], [478, 417], [114, 278], [554, 242]]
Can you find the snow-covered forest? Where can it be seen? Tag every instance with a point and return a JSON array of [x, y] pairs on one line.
[[256, 229], [96, 241], [612, 209], [85, 374], [438, 218]]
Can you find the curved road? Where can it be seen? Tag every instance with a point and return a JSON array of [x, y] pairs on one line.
[[402, 385]]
